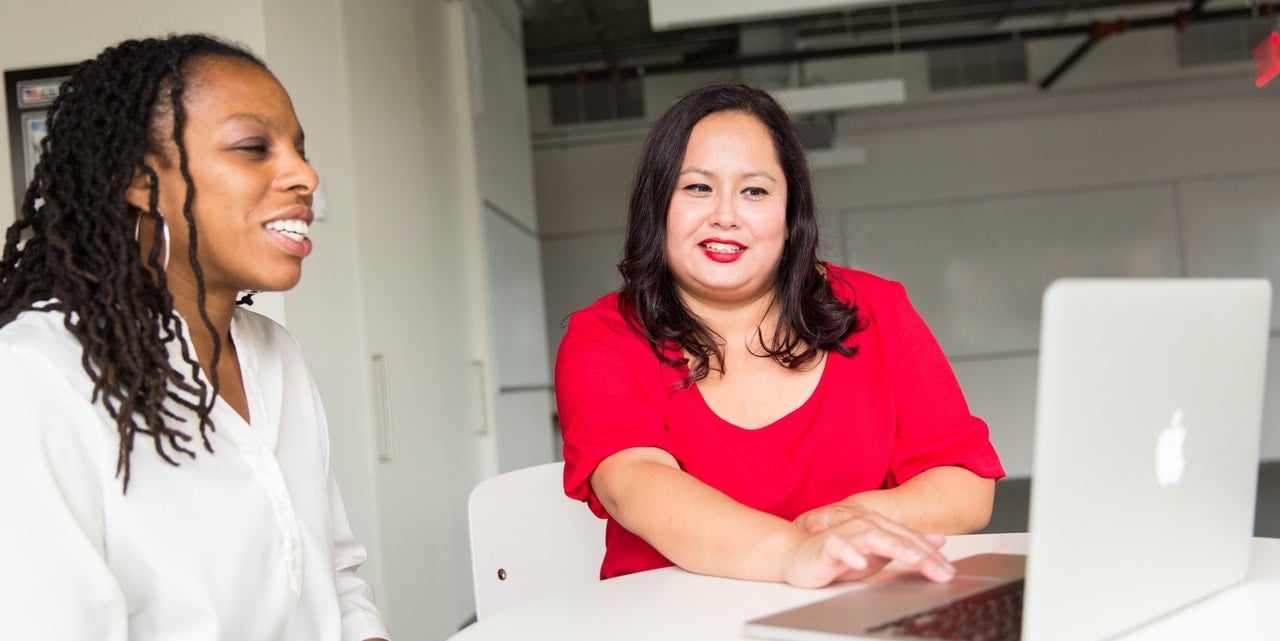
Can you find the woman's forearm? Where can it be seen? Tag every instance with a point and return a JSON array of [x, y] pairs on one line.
[[946, 500], [695, 526], [702, 530]]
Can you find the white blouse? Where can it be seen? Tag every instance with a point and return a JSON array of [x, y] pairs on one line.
[[248, 543]]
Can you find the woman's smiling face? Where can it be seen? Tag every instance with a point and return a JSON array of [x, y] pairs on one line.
[[253, 185], [727, 222]]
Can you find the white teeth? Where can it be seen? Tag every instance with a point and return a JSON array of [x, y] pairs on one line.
[[294, 228], [722, 247]]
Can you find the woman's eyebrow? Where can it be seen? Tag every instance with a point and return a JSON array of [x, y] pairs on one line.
[[760, 173], [248, 115]]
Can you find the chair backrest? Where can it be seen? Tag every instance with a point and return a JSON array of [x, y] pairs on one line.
[[528, 538]]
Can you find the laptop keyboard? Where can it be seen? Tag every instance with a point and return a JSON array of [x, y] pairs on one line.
[[991, 615]]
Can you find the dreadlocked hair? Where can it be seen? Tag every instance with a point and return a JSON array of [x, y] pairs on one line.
[[73, 247]]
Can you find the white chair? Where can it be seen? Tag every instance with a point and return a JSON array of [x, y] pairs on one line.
[[528, 538]]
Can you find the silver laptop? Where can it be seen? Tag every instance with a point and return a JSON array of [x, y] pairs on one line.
[[1145, 470]]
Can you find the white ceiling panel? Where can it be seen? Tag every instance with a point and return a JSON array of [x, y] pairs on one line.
[[673, 14]]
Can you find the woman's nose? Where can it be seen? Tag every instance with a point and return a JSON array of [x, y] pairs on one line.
[[724, 213], [299, 175]]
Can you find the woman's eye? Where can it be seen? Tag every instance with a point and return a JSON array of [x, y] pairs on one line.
[[698, 188], [754, 191], [253, 148]]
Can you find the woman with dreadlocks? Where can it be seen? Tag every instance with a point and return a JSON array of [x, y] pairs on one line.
[[165, 452]]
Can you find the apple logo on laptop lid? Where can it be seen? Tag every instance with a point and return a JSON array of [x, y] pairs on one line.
[[1170, 455]]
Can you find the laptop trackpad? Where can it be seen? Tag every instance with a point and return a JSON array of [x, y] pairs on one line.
[[854, 612]]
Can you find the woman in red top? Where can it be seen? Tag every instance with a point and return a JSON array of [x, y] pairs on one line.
[[741, 409]]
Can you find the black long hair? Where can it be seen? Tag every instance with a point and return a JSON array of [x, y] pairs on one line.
[[811, 317], [73, 247]]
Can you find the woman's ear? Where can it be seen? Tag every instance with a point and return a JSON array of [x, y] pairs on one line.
[[138, 195]]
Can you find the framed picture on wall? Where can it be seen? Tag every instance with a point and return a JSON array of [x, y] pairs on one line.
[[28, 94]]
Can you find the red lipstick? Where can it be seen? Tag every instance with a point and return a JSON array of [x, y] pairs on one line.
[[722, 251]]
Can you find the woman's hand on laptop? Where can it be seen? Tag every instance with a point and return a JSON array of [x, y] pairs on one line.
[[858, 543]]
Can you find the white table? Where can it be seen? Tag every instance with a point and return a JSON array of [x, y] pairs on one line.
[[671, 604]]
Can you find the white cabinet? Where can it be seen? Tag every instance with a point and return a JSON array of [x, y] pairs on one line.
[[522, 425]]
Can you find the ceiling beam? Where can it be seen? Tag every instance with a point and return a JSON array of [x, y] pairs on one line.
[[921, 44]]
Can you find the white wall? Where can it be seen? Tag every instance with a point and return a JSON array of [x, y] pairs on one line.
[[976, 199], [500, 107], [513, 362], [413, 161]]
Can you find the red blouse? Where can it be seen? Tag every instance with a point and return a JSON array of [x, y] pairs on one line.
[[876, 419]]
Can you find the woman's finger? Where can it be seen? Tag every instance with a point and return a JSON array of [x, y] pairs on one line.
[[888, 544], [928, 543], [845, 551], [935, 539]]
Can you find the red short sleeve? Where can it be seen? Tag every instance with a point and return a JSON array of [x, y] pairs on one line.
[[607, 379], [934, 424]]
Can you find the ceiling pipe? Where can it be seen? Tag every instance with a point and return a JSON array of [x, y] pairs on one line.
[[1099, 31], [880, 48]]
